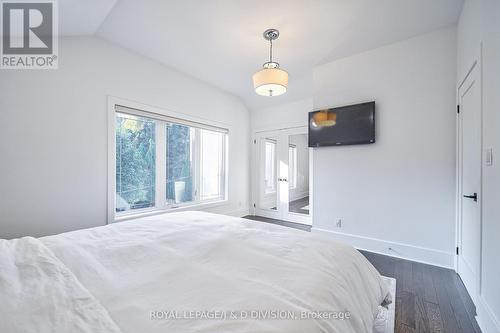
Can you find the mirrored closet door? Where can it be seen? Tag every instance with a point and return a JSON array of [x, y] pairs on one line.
[[281, 186]]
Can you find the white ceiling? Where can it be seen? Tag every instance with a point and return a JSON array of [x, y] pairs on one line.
[[220, 41], [82, 17]]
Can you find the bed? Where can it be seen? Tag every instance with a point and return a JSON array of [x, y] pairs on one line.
[[190, 272]]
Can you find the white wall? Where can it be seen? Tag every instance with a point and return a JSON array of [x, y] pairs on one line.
[[281, 116], [53, 142], [400, 191], [480, 24], [468, 36]]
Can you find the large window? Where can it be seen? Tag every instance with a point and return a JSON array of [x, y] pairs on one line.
[[164, 163]]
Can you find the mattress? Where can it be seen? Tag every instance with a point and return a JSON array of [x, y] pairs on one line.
[[201, 272]]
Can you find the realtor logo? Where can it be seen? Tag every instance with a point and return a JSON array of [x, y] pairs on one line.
[[29, 35]]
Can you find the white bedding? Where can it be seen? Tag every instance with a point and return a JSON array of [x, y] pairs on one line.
[[194, 261], [39, 294]]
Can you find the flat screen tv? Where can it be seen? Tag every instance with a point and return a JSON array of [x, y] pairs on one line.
[[346, 125]]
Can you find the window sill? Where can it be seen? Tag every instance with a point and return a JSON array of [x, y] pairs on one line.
[[152, 212]]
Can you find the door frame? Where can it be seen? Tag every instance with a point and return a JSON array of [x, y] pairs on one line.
[[476, 65], [257, 134]]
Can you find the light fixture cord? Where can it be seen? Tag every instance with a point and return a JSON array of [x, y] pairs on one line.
[[271, 50]]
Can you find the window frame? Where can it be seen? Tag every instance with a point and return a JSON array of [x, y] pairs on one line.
[[161, 118]]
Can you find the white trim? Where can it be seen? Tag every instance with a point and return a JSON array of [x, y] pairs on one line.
[[486, 318], [195, 166], [393, 249], [151, 212], [161, 168], [111, 188], [226, 167], [480, 273], [155, 114], [281, 127], [311, 184], [253, 175], [113, 100]]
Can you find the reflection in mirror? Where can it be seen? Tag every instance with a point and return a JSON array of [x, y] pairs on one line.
[[268, 173], [298, 174]]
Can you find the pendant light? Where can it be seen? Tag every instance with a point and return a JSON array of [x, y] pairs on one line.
[[271, 80]]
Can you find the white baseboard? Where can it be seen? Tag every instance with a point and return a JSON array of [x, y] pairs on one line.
[[238, 213], [486, 319], [393, 249]]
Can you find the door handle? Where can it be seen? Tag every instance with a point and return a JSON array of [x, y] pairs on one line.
[[473, 196]]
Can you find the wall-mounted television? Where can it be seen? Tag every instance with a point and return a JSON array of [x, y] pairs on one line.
[[346, 125]]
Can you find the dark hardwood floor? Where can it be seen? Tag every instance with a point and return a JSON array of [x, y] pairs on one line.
[[297, 206], [428, 298], [280, 222]]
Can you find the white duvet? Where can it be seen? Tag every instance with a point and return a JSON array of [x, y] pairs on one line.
[[40, 294], [186, 272], [192, 271]]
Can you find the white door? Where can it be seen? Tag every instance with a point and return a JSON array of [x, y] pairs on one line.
[[282, 174], [267, 178], [469, 254]]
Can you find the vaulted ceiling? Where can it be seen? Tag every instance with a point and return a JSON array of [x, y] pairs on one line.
[[220, 41]]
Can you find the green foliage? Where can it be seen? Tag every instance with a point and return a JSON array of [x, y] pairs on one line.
[[179, 161], [135, 161]]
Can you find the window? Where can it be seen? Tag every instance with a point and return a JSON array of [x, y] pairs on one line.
[[163, 162], [135, 162], [292, 166], [179, 163], [211, 164]]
